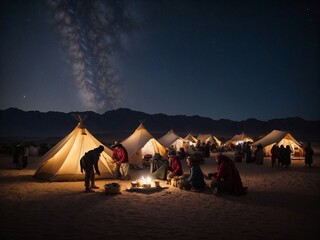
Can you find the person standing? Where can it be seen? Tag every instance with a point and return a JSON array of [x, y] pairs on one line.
[[248, 154], [281, 156], [259, 155], [309, 153], [120, 156], [26, 151], [287, 156], [274, 155], [89, 164]]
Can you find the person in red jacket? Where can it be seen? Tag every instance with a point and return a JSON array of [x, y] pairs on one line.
[[227, 178], [120, 156], [175, 167]]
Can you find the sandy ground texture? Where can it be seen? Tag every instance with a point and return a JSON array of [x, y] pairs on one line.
[[280, 204]]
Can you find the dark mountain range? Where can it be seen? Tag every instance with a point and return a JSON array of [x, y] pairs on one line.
[[120, 123]]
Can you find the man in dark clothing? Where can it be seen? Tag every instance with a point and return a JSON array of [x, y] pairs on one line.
[[89, 163]]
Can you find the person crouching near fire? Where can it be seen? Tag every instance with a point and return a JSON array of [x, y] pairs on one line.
[[175, 167], [195, 181], [227, 178]]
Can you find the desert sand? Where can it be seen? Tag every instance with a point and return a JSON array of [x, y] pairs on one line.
[[280, 204]]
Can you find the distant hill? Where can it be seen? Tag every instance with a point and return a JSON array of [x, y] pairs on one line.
[[15, 123]]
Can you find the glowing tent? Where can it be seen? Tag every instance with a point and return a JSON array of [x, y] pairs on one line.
[[279, 138], [172, 140], [209, 138], [191, 139], [62, 162], [239, 139], [141, 143]]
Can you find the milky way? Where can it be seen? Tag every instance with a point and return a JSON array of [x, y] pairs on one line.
[[91, 32]]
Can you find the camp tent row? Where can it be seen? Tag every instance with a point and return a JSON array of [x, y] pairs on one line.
[[173, 140], [279, 138], [209, 138], [238, 139], [62, 162]]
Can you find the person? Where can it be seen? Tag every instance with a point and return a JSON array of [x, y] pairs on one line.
[[274, 155], [248, 154], [158, 167], [227, 178], [309, 153], [287, 156], [89, 164], [281, 156], [175, 167], [196, 179], [120, 156], [182, 154], [26, 150], [18, 156], [259, 155]]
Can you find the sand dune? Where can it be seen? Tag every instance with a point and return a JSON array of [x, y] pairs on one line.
[[280, 204]]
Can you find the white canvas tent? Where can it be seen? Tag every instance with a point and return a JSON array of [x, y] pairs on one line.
[[62, 162], [209, 138], [238, 139], [279, 138], [140, 143], [192, 140], [172, 140]]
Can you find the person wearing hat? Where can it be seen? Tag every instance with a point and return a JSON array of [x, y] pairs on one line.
[[175, 167], [196, 179], [89, 163], [120, 156]]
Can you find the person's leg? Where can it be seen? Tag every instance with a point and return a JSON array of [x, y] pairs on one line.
[[87, 180], [92, 179], [125, 170]]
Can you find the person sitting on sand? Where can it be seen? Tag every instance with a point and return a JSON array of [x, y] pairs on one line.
[[175, 167], [89, 163], [196, 179], [227, 178]]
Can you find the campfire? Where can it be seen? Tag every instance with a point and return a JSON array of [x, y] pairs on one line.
[[145, 182]]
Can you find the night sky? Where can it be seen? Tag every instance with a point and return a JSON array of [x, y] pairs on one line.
[[219, 59]]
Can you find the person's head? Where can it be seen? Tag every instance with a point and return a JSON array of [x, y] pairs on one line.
[[191, 160], [100, 148], [172, 153], [116, 145], [157, 156], [220, 157]]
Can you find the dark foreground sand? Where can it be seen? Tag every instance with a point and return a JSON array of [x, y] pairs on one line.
[[280, 204]]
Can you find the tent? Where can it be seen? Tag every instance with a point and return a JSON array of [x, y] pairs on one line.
[[192, 140], [238, 139], [279, 138], [62, 162], [141, 143], [209, 138], [172, 140]]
